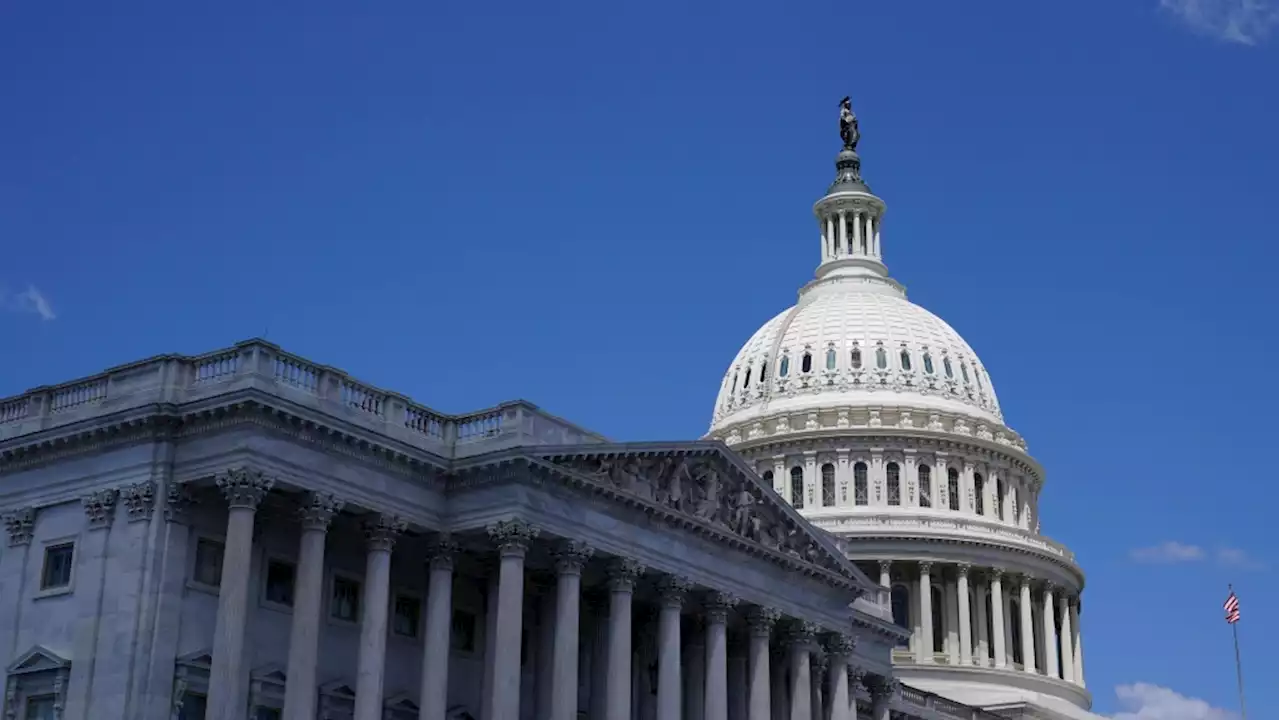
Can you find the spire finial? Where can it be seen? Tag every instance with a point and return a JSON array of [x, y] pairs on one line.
[[848, 164], [848, 125]]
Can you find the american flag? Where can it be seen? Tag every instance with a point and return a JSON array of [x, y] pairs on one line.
[[1232, 608]]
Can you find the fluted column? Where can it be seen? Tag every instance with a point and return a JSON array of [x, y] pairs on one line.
[[857, 233], [760, 623], [1028, 637], [817, 674], [380, 539], [924, 649], [843, 243], [1064, 639], [997, 617], [622, 582], [672, 590], [439, 622], [512, 538], [801, 644], [570, 556], [984, 646], [244, 490], [1078, 655], [839, 654], [1049, 632], [716, 700], [962, 603], [867, 235], [91, 566], [316, 513]]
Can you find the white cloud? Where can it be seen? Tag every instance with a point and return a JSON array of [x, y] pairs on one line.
[[1142, 701], [1240, 21], [30, 301], [1236, 558], [1169, 551]]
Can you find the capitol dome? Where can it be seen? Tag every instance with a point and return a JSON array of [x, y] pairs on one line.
[[876, 421]]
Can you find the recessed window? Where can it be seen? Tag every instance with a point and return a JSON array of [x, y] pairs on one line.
[[946, 367], [57, 566], [964, 371], [828, 485], [747, 381], [900, 602], [280, 582], [345, 603], [408, 610], [882, 359], [953, 489], [860, 483], [977, 377], [926, 485], [764, 371], [797, 488], [831, 358], [767, 477], [193, 706], [39, 708], [979, 490], [904, 358], [928, 363], [734, 384], [784, 366], [806, 363], [462, 631], [1000, 489], [208, 569], [893, 479], [855, 359]]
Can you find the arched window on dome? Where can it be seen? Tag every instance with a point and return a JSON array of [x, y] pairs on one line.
[[1017, 509], [860, 483], [964, 372], [764, 371], [746, 382], [1000, 491], [904, 359], [831, 358], [939, 635], [733, 384], [894, 481], [979, 486], [882, 360], [797, 487], [953, 489], [855, 358], [784, 365], [924, 475], [977, 377], [900, 602], [828, 485], [806, 362], [928, 363], [946, 366]]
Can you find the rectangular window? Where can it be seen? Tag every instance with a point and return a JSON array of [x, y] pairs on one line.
[[408, 610], [39, 708], [462, 631], [58, 560], [345, 604], [208, 569], [280, 582], [193, 707]]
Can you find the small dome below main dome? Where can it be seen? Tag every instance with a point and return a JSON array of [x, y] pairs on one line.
[[849, 345]]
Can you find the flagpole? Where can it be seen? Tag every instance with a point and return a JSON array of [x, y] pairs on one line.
[[1235, 638]]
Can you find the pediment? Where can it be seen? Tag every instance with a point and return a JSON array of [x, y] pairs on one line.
[[270, 673], [706, 483], [38, 659], [201, 659]]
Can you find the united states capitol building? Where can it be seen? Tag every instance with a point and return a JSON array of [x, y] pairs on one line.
[[249, 533]]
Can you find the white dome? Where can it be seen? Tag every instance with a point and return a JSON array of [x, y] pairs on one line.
[[848, 331]]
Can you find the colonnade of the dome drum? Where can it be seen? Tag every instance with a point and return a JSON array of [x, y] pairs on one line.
[[852, 232], [984, 617]]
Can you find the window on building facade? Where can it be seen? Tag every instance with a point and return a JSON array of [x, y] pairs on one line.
[[208, 567], [462, 631], [964, 371], [345, 603], [904, 358], [193, 706], [797, 487], [882, 360], [1000, 490], [408, 609], [860, 483], [953, 489], [900, 602], [828, 485], [923, 474], [764, 370], [280, 582], [806, 363], [928, 363], [58, 561], [40, 707], [746, 382], [855, 359], [979, 493], [893, 480], [831, 358], [977, 377], [783, 366], [946, 367], [1017, 509]]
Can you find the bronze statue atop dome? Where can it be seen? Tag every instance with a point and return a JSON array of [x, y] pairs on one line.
[[848, 125]]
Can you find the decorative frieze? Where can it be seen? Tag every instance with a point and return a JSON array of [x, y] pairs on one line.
[[139, 500], [512, 536], [99, 508], [380, 533], [20, 523], [244, 487], [317, 510], [571, 555]]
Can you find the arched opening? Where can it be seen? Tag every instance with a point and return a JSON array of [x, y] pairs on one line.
[[806, 363], [953, 489], [946, 367], [855, 359], [859, 483], [784, 366], [831, 358], [797, 487], [882, 360], [1000, 491], [768, 477], [828, 485], [928, 363], [979, 493], [894, 485], [964, 372], [904, 359], [924, 476]]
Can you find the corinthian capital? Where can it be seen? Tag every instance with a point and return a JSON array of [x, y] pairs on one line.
[[317, 510], [760, 620], [571, 555], [381, 532], [177, 502], [512, 536], [139, 500], [673, 588], [717, 606], [441, 552], [244, 487], [20, 522], [623, 572], [100, 508]]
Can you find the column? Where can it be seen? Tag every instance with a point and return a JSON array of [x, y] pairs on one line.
[[886, 581], [843, 244], [910, 480], [984, 647], [570, 556], [1028, 638], [380, 538], [877, 236], [962, 603], [856, 677], [840, 652], [817, 673], [828, 237], [1064, 638], [760, 622], [512, 538], [951, 622], [90, 572], [882, 691], [622, 582], [997, 617], [844, 479], [801, 644], [967, 504], [716, 699], [244, 490], [1050, 632], [780, 475], [1078, 655], [875, 473], [867, 235], [672, 590], [492, 572], [439, 623], [994, 501], [316, 513], [924, 648], [857, 233], [543, 650]]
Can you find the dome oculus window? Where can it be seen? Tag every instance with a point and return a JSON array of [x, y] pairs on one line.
[[928, 363], [904, 359]]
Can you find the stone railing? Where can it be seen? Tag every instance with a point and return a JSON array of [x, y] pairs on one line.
[[927, 525], [256, 365], [913, 702]]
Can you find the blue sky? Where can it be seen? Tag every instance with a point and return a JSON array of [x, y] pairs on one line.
[[592, 205]]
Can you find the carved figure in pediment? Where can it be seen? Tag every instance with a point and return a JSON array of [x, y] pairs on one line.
[[674, 484], [632, 479], [742, 517], [708, 503]]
